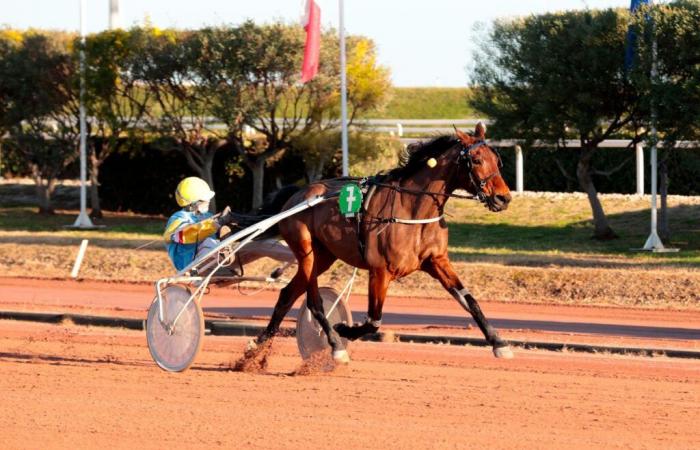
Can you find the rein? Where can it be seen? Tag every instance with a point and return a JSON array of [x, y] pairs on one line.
[[420, 192]]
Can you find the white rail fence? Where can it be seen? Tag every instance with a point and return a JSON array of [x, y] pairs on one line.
[[610, 143], [431, 127]]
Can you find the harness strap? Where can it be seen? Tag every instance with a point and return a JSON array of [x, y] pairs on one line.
[[419, 192], [409, 221], [361, 243]]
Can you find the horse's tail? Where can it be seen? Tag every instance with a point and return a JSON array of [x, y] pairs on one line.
[[273, 204], [274, 201]]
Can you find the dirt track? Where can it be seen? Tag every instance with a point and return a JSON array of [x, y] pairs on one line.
[[65, 386], [630, 327]]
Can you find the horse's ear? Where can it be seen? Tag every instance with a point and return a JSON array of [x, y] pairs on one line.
[[480, 131], [463, 137]]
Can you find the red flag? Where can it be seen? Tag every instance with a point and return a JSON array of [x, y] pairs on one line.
[[312, 49]]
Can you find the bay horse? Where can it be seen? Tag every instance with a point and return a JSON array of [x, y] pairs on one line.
[[400, 231]]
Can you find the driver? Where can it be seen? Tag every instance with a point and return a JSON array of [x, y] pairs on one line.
[[192, 231]]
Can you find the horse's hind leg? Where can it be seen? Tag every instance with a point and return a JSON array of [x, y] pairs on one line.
[[288, 295], [297, 286], [322, 261], [441, 269]]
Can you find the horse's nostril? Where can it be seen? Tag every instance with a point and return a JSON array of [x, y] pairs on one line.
[[503, 199]]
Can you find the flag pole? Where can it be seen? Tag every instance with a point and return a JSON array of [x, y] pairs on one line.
[[114, 15], [83, 220], [653, 242], [343, 91]]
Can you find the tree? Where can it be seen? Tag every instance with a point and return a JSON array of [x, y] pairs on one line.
[[370, 153], [9, 41], [676, 90], [42, 108], [116, 103], [251, 78], [166, 65], [369, 88], [551, 76]]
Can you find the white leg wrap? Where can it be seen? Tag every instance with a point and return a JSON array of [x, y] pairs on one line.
[[503, 352], [374, 323], [460, 296], [341, 356], [251, 345]]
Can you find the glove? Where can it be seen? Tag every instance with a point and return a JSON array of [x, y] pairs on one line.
[[226, 217]]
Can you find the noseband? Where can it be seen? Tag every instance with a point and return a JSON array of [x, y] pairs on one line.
[[465, 156]]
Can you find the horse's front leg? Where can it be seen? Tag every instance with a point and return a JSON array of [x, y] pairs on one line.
[[441, 269], [378, 284]]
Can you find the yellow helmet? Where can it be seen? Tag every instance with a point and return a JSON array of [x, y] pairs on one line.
[[192, 190]]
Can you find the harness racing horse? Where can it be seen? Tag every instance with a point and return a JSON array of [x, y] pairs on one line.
[[400, 231]]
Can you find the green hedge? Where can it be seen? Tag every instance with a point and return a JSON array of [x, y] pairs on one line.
[[144, 179]]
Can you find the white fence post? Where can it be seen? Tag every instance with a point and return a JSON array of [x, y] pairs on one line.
[[518, 169], [399, 130], [639, 150]]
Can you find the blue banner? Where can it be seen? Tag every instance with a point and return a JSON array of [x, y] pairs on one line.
[[631, 47], [637, 3]]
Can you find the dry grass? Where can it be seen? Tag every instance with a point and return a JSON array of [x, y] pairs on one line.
[[537, 251]]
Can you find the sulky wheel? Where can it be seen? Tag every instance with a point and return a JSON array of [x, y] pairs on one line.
[[174, 348], [310, 336]]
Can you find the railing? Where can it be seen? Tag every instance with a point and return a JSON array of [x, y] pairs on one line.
[[428, 127], [575, 143]]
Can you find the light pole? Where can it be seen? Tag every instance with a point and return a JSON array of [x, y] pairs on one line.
[[83, 220], [114, 15], [653, 242], [343, 91]]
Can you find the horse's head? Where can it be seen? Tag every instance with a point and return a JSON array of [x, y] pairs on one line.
[[482, 164]]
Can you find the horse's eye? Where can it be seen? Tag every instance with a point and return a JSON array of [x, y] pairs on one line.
[[476, 161]]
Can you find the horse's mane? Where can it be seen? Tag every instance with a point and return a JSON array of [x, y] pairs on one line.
[[416, 155]]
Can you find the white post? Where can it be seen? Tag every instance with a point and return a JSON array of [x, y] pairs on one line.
[[83, 220], [653, 241], [343, 91], [114, 15], [639, 150], [518, 169], [399, 130], [79, 259]]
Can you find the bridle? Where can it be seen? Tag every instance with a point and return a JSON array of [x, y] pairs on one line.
[[466, 157]]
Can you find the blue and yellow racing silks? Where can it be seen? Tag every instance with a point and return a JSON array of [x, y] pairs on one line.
[[183, 232]]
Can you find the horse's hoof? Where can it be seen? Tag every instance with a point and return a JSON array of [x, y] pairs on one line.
[[251, 346], [341, 356], [503, 352], [342, 329]]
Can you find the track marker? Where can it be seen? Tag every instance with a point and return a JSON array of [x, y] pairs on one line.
[[79, 259]]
